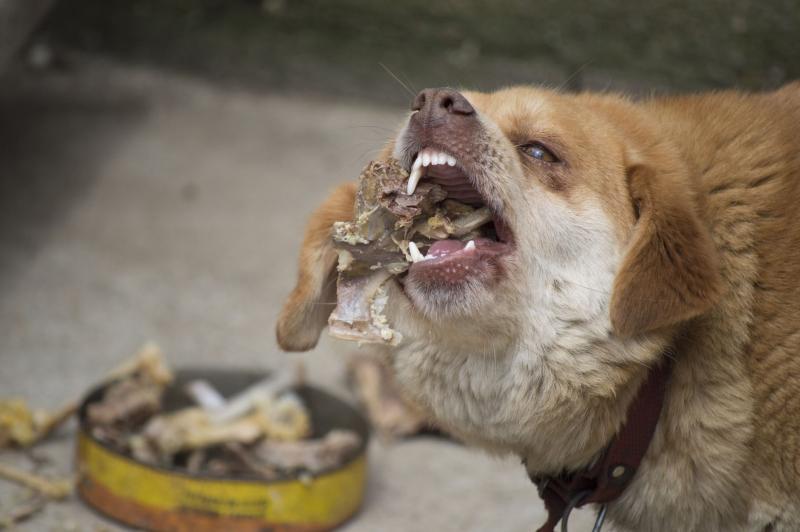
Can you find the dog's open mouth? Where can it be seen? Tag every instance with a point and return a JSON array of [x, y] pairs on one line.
[[474, 255], [430, 229]]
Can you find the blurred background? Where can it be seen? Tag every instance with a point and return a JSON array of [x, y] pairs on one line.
[[158, 159]]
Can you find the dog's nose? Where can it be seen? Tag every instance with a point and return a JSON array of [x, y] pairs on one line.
[[441, 103]]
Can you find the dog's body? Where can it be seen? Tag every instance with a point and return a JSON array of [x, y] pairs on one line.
[[664, 228]]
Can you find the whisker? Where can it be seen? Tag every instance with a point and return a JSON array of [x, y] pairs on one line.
[[379, 128], [408, 81], [564, 84], [368, 151], [376, 139], [398, 80]]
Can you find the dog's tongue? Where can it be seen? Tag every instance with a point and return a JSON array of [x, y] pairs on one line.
[[454, 261], [441, 248]]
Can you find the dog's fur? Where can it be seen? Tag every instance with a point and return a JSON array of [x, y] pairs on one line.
[[670, 229]]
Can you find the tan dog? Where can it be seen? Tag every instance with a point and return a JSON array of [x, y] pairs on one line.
[[626, 232]]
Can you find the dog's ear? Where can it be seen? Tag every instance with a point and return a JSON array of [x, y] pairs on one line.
[[670, 272], [305, 312]]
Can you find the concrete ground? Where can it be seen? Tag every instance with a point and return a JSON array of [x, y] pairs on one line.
[[138, 206]]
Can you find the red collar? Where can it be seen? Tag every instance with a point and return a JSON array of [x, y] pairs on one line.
[[605, 480]]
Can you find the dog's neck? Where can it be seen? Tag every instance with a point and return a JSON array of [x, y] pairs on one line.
[[699, 460], [486, 388], [608, 477], [556, 404]]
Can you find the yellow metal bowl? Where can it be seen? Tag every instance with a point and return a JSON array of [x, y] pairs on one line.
[[159, 498]]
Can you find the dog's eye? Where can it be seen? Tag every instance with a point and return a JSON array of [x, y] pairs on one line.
[[535, 150]]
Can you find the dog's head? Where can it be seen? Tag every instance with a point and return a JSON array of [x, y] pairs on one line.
[[599, 250]]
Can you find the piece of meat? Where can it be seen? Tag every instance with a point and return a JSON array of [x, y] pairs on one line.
[[373, 247], [128, 401], [389, 414], [384, 219]]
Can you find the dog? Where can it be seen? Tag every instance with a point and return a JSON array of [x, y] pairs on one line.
[[629, 232]]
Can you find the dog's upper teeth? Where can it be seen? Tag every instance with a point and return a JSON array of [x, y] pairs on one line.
[[427, 157], [414, 176], [433, 157], [416, 255]]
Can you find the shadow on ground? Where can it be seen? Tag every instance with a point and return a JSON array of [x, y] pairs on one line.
[[46, 166]]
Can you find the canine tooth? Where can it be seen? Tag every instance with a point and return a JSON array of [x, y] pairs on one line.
[[426, 158], [451, 160], [416, 255], [414, 176], [470, 245]]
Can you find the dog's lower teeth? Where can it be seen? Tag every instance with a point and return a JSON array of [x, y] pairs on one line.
[[416, 254]]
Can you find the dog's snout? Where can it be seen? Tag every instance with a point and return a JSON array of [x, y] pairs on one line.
[[443, 119], [441, 103]]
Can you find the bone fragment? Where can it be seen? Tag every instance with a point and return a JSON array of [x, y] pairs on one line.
[[266, 409], [314, 456], [54, 489], [388, 412]]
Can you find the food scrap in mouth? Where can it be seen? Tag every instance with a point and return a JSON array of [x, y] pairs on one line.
[[397, 216]]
